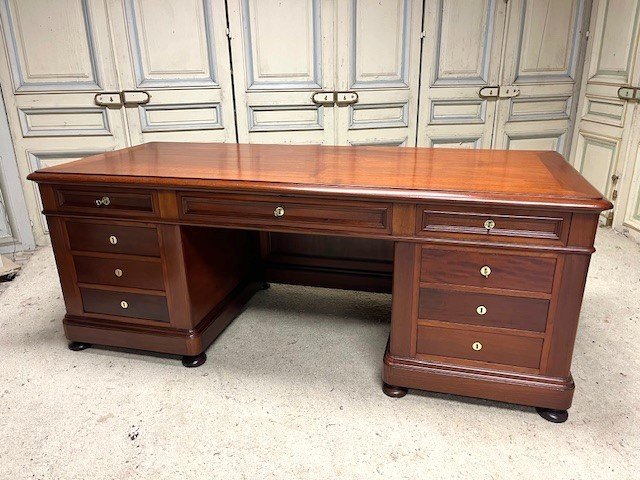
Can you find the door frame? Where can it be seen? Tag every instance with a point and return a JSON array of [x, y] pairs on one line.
[[12, 190]]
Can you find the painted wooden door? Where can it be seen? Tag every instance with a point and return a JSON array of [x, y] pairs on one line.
[[542, 59], [57, 56], [282, 53], [378, 62], [460, 55], [173, 61], [600, 145]]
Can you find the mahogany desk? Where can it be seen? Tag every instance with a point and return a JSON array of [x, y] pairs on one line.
[[159, 246]]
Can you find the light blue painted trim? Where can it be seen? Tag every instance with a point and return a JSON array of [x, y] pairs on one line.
[[179, 126], [560, 135], [402, 122], [19, 82], [400, 142], [486, 54], [540, 116], [403, 81], [569, 75], [285, 127], [142, 80], [477, 141], [458, 119], [617, 73], [256, 84], [25, 113]]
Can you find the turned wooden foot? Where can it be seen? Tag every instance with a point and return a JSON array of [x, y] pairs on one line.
[[265, 286], [78, 346], [194, 361], [393, 391], [551, 415]]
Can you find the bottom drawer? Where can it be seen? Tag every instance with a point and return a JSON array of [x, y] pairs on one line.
[[485, 347], [124, 304]]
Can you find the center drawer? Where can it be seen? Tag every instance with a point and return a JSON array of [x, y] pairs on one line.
[[274, 212]]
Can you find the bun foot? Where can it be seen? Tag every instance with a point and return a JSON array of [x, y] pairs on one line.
[[393, 391], [265, 286], [194, 361], [78, 346], [551, 415]]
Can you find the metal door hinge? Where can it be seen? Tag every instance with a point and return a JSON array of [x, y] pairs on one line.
[[586, 34], [227, 32], [614, 195], [423, 34]]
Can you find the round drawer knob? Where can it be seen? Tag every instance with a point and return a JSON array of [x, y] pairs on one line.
[[481, 310], [113, 239], [124, 304], [476, 346], [485, 271], [489, 224], [118, 272], [278, 212]]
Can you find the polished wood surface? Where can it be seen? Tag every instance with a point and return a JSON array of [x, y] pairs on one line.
[[434, 174], [189, 232]]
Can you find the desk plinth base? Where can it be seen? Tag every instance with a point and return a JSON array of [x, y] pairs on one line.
[[189, 343], [530, 390]]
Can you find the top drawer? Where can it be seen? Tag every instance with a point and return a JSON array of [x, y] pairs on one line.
[[492, 223], [107, 201], [286, 212]]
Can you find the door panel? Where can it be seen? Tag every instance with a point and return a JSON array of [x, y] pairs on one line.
[[601, 143], [461, 54], [282, 53], [378, 59], [544, 44], [176, 51], [58, 55]]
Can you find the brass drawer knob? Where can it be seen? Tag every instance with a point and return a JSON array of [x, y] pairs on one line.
[[118, 272], [113, 239], [104, 201], [485, 271], [124, 304], [481, 310], [278, 212], [476, 346], [489, 224]]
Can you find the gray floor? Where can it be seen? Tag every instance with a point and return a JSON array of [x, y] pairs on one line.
[[292, 390]]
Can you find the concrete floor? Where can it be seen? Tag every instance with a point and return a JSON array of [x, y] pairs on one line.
[[291, 390]]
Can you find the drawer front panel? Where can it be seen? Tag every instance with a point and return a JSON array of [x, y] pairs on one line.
[[495, 310], [105, 202], [118, 272], [484, 347], [500, 223], [104, 238], [515, 272], [277, 212], [147, 307]]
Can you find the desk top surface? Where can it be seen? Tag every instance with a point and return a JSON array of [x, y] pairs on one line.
[[535, 177]]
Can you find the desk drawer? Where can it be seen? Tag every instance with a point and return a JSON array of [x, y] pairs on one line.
[[119, 272], [98, 237], [493, 223], [487, 269], [483, 309], [278, 212], [480, 346], [124, 304], [107, 201]]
